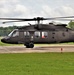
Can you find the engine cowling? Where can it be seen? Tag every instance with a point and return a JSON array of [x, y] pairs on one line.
[[38, 26]]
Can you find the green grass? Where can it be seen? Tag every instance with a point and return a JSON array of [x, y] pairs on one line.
[[37, 64]]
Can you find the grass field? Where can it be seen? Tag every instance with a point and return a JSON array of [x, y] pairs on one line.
[[37, 64]]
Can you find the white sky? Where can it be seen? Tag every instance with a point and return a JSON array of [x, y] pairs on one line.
[[35, 8]]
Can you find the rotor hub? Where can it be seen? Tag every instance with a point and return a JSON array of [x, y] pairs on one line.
[[38, 19]]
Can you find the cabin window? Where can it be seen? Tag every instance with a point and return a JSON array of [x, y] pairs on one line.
[[26, 34], [44, 34], [15, 33], [37, 34]]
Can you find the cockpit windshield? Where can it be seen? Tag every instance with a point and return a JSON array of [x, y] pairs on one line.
[[14, 33]]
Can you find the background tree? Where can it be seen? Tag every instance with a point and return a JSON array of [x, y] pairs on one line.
[[4, 31], [71, 24]]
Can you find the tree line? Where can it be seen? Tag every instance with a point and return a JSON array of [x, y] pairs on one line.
[[71, 24], [4, 31]]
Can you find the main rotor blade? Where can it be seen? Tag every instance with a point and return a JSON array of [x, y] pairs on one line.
[[38, 18], [22, 19], [10, 21], [50, 19], [61, 19], [58, 17]]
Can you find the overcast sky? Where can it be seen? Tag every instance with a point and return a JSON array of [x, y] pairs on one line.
[[35, 8]]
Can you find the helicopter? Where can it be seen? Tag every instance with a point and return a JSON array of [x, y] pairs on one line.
[[39, 33]]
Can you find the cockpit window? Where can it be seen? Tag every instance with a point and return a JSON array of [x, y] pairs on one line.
[[14, 33], [11, 33]]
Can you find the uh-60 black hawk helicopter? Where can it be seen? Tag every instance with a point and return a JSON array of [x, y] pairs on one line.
[[39, 33]]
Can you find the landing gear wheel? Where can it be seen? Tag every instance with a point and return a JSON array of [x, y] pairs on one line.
[[29, 45]]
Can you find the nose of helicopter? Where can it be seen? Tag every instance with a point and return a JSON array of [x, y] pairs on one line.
[[3, 40]]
